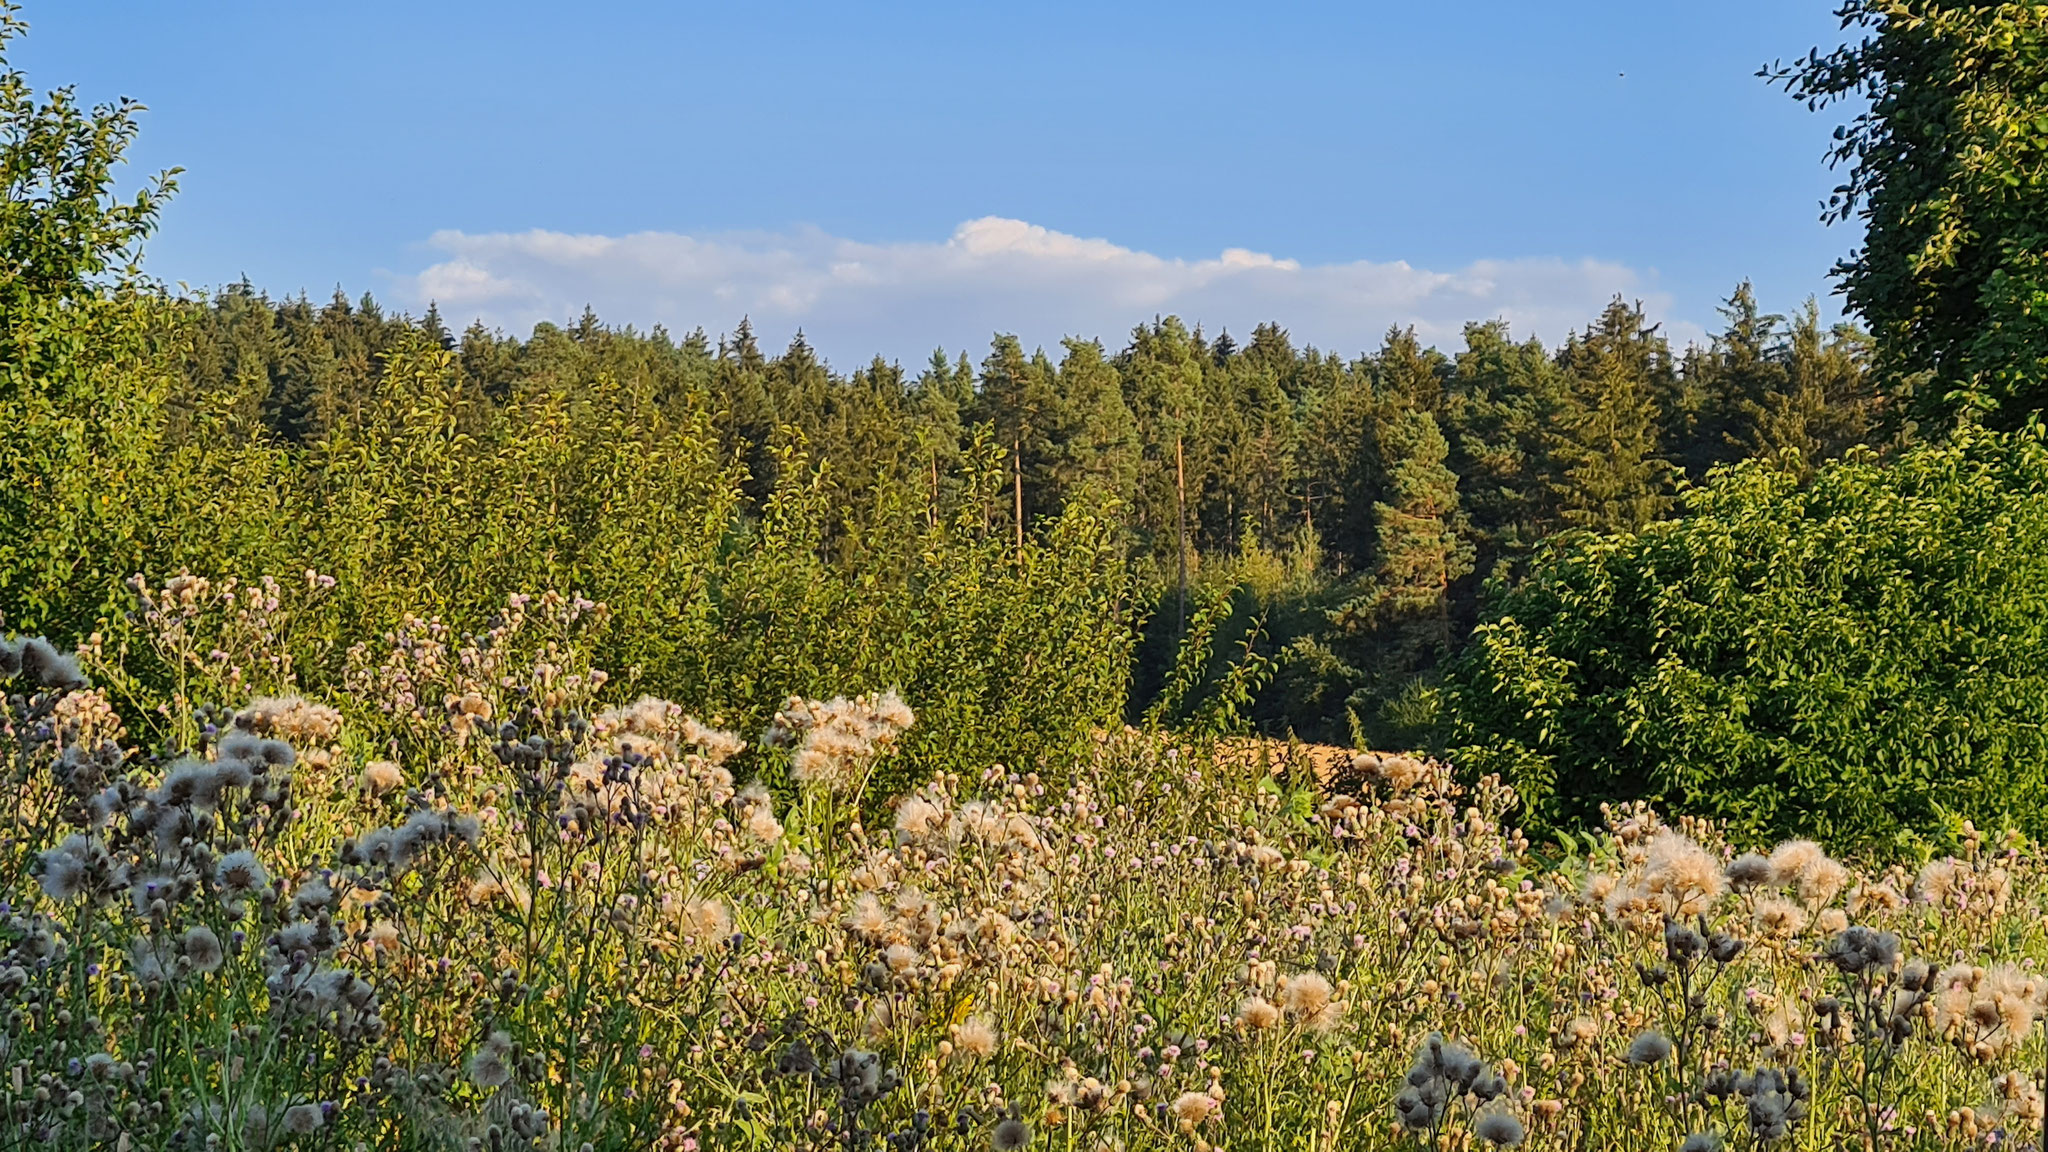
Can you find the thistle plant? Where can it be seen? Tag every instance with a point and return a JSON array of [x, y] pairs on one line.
[[1773, 1103], [1449, 1087], [1695, 961], [181, 982], [1871, 1019]]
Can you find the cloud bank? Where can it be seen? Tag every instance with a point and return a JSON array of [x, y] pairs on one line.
[[854, 299]]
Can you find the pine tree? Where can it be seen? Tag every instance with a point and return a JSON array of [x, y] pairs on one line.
[[1392, 633]]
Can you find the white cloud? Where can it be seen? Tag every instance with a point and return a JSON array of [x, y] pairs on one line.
[[853, 299]]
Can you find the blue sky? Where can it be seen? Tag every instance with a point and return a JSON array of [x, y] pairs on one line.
[[891, 176]]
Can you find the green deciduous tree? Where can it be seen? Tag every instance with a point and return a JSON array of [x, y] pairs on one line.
[[88, 352], [1946, 169], [1862, 655]]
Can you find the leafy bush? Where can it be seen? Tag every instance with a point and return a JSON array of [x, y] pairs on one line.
[[1865, 657]]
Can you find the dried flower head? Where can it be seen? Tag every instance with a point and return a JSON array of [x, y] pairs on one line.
[[975, 1037], [1778, 918], [1747, 871], [1257, 1013], [1859, 950], [758, 813], [1804, 867], [917, 817], [1936, 880], [303, 1119], [202, 948], [706, 921], [1010, 1135], [491, 1065], [1648, 1048], [1580, 1031], [715, 745], [379, 777], [1686, 877], [292, 718], [39, 660], [65, 873], [1190, 1109], [239, 873], [1496, 1125], [1310, 1000]]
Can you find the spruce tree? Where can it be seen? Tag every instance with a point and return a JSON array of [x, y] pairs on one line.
[[1422, 537], [1737, 377], [1337, 412], [1096, 437], [1162, 374], [1826, 404], [1501, 409], [437, 331], [743, 413], [1608, 474]]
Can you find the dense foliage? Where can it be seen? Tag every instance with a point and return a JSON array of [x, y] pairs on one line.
[[1861, 654], [1947, 162], [1865, 654], [1387, 485]]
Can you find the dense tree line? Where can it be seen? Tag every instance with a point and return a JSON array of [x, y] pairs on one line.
[[1391, 485]]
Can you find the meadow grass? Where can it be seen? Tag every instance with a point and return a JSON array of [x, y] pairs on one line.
[[487, 900]]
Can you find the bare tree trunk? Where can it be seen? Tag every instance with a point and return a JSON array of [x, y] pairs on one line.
[[1180, 492], [1017, 477], [1443, 606]]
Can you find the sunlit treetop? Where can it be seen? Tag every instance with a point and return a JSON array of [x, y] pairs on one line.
[[1947, 166]]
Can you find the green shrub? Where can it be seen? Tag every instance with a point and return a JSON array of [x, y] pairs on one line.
[[1865, 657]]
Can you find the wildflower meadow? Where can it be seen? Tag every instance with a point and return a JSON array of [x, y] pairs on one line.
[[912, 762], [484, 900]]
